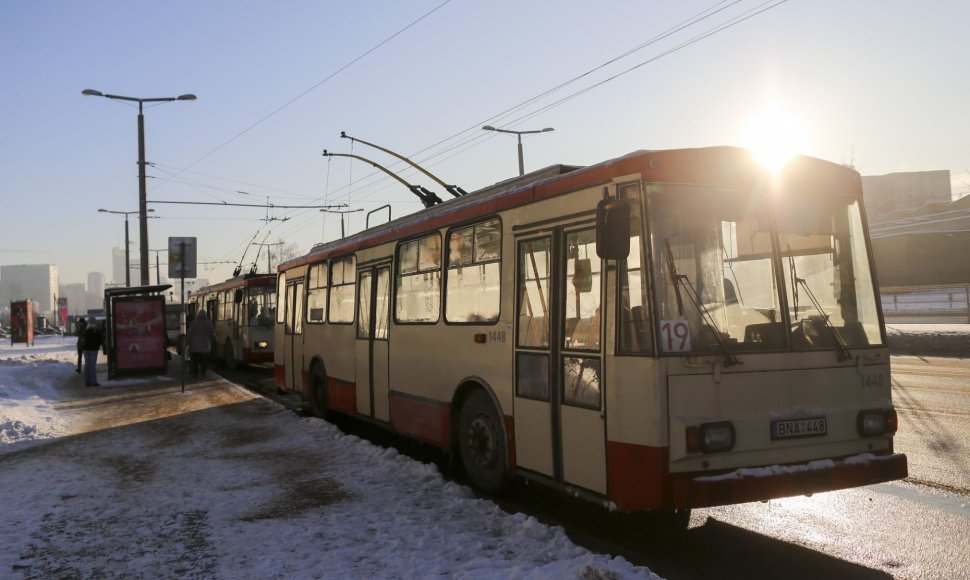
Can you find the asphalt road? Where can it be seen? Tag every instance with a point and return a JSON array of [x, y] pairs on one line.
[[932, 399]]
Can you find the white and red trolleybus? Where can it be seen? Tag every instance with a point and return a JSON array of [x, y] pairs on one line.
[[728, 347], [243, 311]]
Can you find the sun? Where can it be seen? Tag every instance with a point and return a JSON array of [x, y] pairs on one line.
[[774, 136]]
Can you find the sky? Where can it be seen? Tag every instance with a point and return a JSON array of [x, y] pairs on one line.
[[225, 484], [878, 84]]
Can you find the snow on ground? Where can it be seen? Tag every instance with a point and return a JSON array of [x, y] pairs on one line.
[[929, 339], [241, 490]]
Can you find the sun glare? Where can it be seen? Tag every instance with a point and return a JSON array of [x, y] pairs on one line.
[[774, 137]]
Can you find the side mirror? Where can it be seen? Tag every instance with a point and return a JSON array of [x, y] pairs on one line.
[[237, 296], [613, 229]]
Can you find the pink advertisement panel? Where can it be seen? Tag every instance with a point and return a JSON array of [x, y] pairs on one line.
[[139, 333]]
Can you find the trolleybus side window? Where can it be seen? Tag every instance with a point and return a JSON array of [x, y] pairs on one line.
[[418, 282], [343, 273], [474, 273], [281, 296], [317, 293], [633, 305]]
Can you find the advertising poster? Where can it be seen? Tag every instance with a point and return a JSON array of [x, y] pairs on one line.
[[62, 311], [139, 334], [22, 322]]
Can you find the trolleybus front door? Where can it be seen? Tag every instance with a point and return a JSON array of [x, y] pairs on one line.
[[294, 335], [373, 316], [560, 427]]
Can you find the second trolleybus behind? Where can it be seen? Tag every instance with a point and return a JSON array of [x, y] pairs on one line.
[[243, 312]]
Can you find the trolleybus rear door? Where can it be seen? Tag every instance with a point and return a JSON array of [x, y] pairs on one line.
[[373, 316], [560, 428]]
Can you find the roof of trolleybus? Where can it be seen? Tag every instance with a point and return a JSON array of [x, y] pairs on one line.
[[237, 282], [724, 166]]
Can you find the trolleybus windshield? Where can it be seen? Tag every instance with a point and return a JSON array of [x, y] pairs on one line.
[[718, 245]]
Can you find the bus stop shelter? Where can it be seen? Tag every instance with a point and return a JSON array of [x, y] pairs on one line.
[[135, 333]]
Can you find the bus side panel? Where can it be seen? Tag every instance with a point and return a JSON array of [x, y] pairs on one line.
[[637, 475], [636, 432]]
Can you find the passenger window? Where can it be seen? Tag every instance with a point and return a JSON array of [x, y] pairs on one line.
[[473, 291], [317, 293], [343, 274], [418, 281]]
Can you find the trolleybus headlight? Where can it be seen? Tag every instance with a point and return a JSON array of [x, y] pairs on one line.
[[262, 344], [876, 422], [710, 437]]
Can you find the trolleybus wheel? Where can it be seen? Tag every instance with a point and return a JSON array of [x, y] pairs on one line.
[[227, 356], [481, 442], [318, 393]]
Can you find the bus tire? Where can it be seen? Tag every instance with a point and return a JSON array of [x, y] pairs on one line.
[[481, 443], [228, 358], [319, 402]]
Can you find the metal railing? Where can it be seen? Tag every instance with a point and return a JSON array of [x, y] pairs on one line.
[[948, 304]]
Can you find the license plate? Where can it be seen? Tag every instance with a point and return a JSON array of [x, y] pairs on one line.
[[795, 428]]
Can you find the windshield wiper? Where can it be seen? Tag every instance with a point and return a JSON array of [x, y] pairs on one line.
[[682, 279], [840, 344]]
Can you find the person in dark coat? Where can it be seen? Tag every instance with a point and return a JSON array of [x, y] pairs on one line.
[[79, 327], [93, 340], [199, 341]]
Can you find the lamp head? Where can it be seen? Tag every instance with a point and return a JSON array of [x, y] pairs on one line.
[[188, 97], [488, 128], [92, 93]]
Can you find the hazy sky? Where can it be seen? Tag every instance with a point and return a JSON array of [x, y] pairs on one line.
[[882, 84]]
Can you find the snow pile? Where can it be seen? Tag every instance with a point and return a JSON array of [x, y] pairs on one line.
[[240, 488], [929, 339]]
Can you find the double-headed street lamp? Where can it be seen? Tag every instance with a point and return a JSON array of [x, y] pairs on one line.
[[142, 188], [518, 134], [127, 256]]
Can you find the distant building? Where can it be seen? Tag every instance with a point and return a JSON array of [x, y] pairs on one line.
[[37, 282], [77, 297], [885, 194], [96, 283], [919, 236]]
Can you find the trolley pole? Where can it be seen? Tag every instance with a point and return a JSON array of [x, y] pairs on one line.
[[185, 323]]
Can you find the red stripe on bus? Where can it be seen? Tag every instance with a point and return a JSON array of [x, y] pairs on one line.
[[692, 491], [636, 475], [421, 418], [279, 375], [343, 396]]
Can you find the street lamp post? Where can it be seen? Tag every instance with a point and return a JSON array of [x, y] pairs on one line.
[[518, 134], [127, 256], [142, 187]]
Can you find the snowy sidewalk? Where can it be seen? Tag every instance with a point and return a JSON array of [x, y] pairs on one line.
[[217, 483]]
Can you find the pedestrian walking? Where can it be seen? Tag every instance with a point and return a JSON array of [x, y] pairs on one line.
[[199, 341], [79, 327], [93, 340]]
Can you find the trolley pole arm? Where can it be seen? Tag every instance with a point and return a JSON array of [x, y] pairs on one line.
[[428, 198], [452, 189]]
